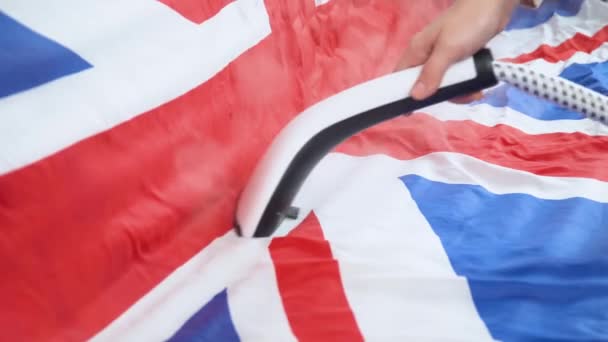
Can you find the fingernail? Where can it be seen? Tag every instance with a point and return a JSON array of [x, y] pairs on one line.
[[418, 91]]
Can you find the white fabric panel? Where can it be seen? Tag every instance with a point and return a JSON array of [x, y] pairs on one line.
[[259, 287]]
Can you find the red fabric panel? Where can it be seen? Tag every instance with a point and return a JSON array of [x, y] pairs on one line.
[[89, 230], [197, 10], [552, 154], [563, 51], [311, 288]]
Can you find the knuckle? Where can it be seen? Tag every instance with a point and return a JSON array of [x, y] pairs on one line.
[[419, 42], [419, 46], [450, 47]]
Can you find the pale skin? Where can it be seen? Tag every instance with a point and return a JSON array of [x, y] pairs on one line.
[[464, 28]]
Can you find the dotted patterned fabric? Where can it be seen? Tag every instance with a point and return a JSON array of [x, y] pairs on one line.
[[556, 89]]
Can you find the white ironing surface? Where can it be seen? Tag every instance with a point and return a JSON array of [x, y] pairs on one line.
[[266, 200]]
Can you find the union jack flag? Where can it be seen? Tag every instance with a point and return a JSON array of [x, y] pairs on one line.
[[128, 129]]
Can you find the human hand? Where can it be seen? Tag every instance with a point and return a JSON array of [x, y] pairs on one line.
[[458, 33]]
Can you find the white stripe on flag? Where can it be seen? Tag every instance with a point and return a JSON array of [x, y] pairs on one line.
[[158, 56], [589, 20], [456, 168], [490, 116], [258, 289], [161, 312]]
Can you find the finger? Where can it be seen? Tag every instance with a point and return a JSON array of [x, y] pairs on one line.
[[442, 57], [419, 48], [431, 75]]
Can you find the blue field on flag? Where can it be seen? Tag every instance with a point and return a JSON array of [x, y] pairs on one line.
[[534, 265], [29, 59], [211, 323]]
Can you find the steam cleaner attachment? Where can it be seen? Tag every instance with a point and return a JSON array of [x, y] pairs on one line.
[[266, 201]]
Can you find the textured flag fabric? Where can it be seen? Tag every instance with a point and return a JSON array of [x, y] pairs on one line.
[[128, 129]]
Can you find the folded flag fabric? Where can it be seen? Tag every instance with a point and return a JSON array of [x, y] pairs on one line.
[[128, 129]]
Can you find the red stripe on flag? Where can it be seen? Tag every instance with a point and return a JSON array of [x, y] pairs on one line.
[[197, 11], [311, 287], [553, 154], [578, 43], [88, 231]]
